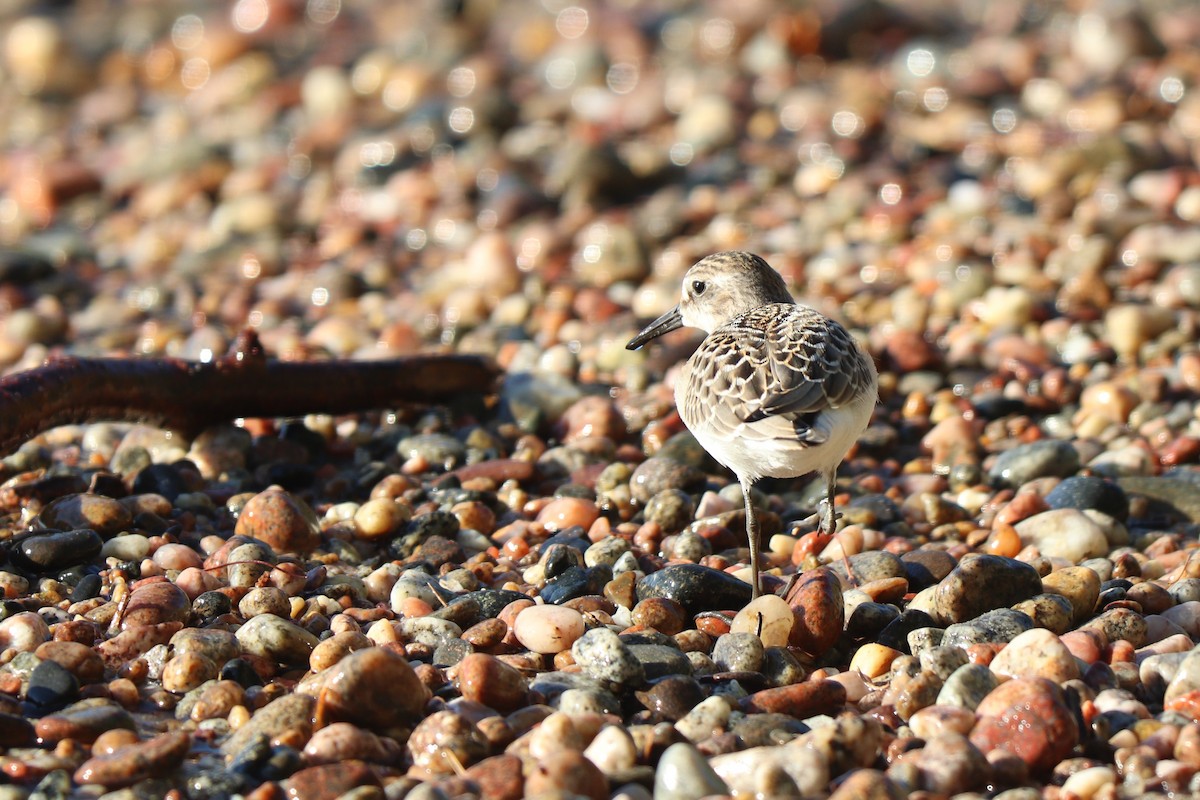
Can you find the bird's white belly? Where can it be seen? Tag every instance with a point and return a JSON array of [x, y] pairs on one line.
[[755, 457]]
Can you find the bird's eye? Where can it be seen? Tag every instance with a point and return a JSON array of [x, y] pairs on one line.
[[698, 287]]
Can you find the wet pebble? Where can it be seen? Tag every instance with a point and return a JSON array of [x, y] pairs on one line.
[[136, 762], [603, 656], [278, 519], [695, 587], [43, 552], [104, 515], [375, 688], [276, 639]]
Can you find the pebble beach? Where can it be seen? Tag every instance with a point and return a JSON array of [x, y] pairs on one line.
[[543, 591]]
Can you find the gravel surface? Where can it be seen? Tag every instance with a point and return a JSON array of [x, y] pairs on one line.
[[543, 594]]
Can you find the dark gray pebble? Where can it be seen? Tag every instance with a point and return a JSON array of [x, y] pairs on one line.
[[1000, 625], [1089, 491], [43, 552], [1040, 459], [697, 588], [576, 582], [868, 619], [51, 686], [661, 661], [895, 635]]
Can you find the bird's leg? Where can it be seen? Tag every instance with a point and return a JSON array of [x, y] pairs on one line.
[[752, 537], [830, 523]]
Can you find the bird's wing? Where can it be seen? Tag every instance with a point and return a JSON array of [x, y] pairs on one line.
[[814, 364], [767, 375]]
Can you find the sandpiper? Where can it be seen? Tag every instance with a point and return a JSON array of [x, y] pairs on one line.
[[776, 389]]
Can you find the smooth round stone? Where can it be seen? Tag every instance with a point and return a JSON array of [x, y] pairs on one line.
[[673, 697], [335, 648], [658, 474], [1186, 590], [738, 652], [574, 702], [128, 547], [1025, 462], [950, 765], [217, 700], [1187, 616], [548, 628], [606, 552], [374, 688], [1028, 718], [283, 718], [818, 611], [660, 660], [566, 772], [942, 661], [981, 583], [873, 660], [186, 671], [173, 556], [445, 741], [925, 567], [1119, 624], [342, 741], [51, 686], [1080, 585], [83, 721], [23, 632], [1088, 491], [136, 762], [800, 700], [104, 515], [379, 517], [868, 619], [873, 565], [415, 584], [612, 750], [794, 772], [430, 631], [264, 600], [670, 509], [711, 714], [247, 564], [154, 603], [1000, 625], [937, 720], [760, 730], [279, 520], [768, 617], [489, 681], [276, 639], [604, 657], [44, 552], [566, 512], [1050, 611], [1065, 533], [1036, 653], [661, 614], [697, 588], [684, 774], [967, 686]]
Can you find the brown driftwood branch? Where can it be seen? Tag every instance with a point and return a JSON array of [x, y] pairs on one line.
[[187, 395]]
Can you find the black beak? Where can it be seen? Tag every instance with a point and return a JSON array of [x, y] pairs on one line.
[[667, 322]]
